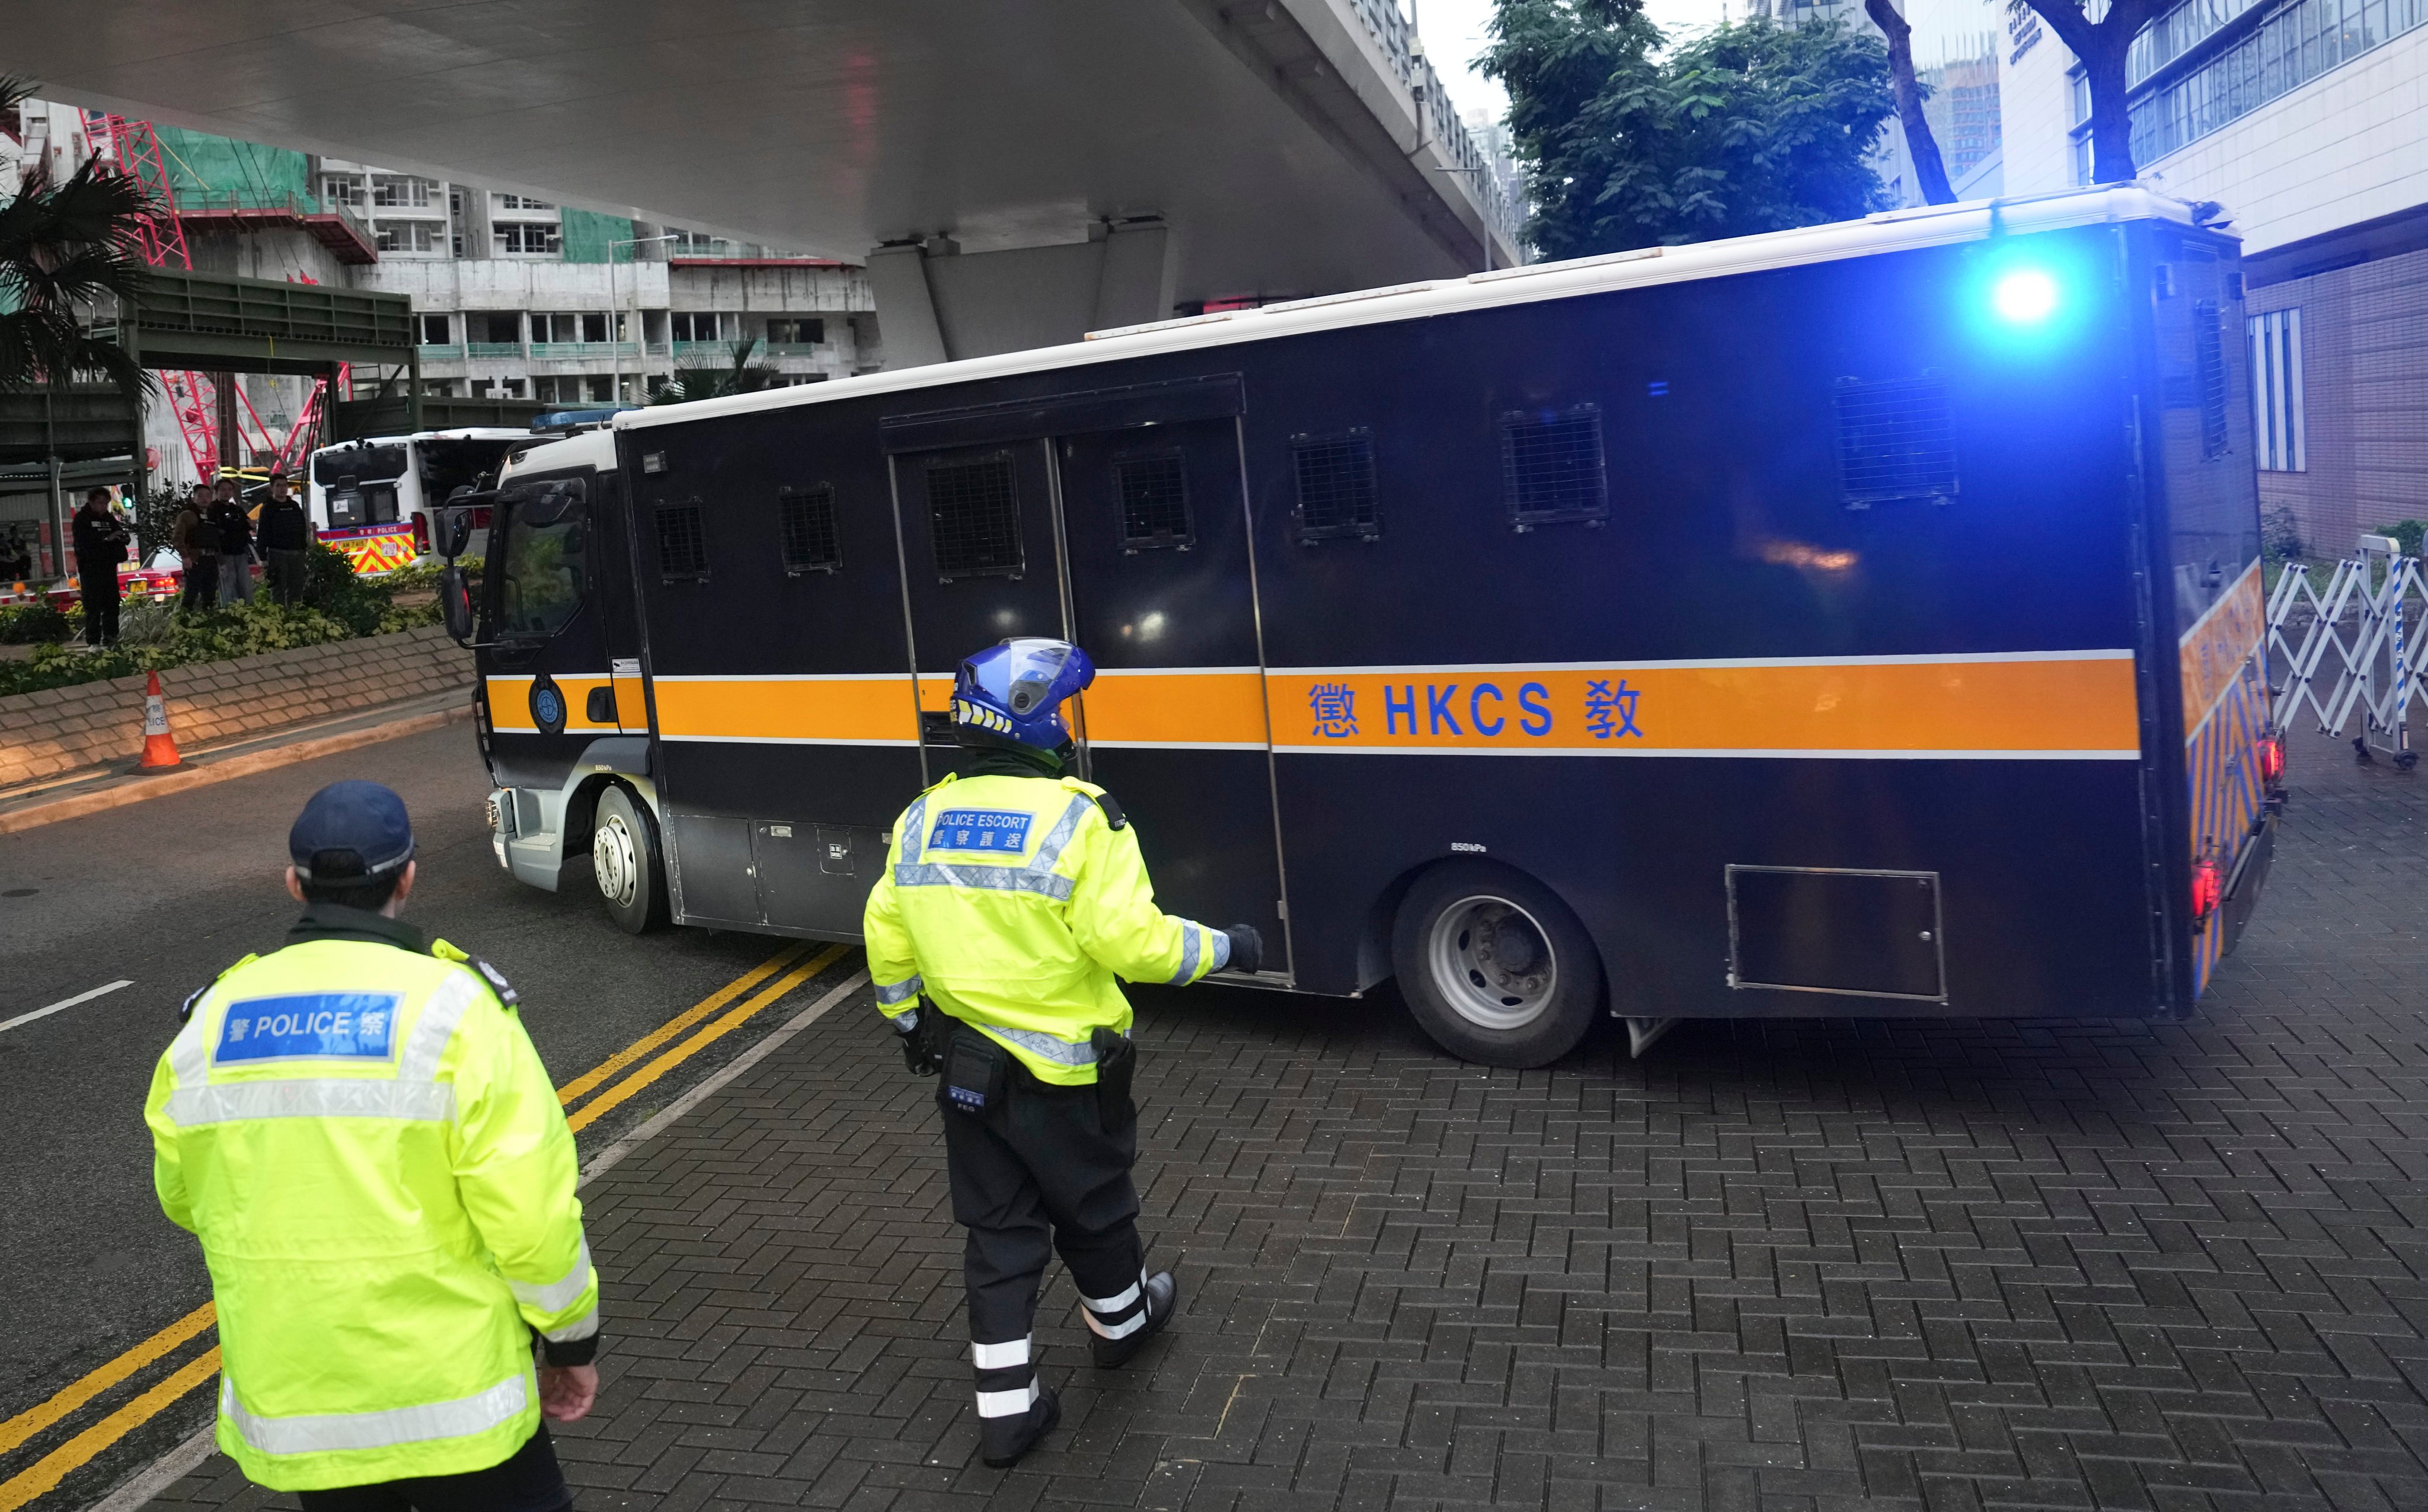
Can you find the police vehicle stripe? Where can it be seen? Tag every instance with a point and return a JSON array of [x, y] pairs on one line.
[[890, 993], [1000, 1356], [561, 1293], [348, 1097], [329, 1432]]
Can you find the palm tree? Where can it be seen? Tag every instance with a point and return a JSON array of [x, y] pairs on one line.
[[743, 377], [65, 246]]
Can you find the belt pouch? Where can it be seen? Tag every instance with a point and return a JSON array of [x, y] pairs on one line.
[[973, 1073], [1116, 1063]]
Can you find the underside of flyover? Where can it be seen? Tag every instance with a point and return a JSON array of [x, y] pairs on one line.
[[1132, 152]]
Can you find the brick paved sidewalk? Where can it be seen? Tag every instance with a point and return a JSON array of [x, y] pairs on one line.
[[1879, 1265]]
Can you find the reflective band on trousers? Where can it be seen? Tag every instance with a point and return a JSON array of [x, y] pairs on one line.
[[334, 1097], [1114, 1304], [1119, 1330], [1000, 1356], [333, 1432], [561, 1293], [1008, 1404]]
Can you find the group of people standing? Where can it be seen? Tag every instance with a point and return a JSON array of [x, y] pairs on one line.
[[216, 538], [219, 541]]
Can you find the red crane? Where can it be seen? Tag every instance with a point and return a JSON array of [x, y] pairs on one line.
[[160, 236]]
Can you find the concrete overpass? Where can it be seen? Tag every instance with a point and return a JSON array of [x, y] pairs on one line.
[[1013, 174]]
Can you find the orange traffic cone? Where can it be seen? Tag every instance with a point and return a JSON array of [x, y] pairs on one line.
[[159, 747]]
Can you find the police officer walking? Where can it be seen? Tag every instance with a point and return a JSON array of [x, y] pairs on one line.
[[360, 1133], [1011, 900]]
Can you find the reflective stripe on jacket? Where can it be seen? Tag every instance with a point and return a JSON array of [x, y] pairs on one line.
[[376, 1162], [1015, 906]]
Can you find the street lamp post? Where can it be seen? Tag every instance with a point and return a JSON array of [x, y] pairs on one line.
[[639, 346]]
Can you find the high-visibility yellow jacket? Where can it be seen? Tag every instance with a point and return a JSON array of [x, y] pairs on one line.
[[1013, 904], [376, 1162]]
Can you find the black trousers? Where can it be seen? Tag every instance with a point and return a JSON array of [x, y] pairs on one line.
[[201, 582], [527, 1481], [1036, 1175], [100, 579]]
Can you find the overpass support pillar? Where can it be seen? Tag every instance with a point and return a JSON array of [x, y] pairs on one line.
[[936, 302]]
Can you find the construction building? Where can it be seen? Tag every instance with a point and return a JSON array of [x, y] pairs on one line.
[[515, 299]]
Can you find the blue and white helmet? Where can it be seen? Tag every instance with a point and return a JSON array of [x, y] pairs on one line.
[[1015, 691]]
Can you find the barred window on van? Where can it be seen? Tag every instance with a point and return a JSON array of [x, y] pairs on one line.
[[1552, 465], [1154, 492], [975, 512], [805, 523], [1336, 486], [1896, 440], [683, 540], [2209, 359]]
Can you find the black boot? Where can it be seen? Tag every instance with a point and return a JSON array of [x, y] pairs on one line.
[[1003, 1441], [1161, 1294]]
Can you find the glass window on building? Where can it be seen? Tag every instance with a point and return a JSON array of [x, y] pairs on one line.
[[2276, 390], [525, 239], [342, 189], [522, 202], [798, 331], [705, 325], [403, 191], [408, 235]]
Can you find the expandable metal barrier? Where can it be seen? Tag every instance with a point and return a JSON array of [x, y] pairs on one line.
[[2376, 667]]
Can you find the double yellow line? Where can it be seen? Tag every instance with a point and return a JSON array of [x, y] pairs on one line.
[[763, 985]]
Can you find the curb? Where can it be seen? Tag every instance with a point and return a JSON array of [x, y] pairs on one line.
[[136, 790]]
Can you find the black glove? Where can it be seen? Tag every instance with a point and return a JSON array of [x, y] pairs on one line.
[[1247, 947], [918, 1048]]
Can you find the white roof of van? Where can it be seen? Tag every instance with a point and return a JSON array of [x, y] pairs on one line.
[[584, 448], [1931, 225], [465, 433]]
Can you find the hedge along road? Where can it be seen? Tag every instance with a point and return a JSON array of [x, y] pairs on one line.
[[102, 1332]]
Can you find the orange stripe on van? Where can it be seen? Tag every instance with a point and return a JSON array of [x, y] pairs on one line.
[[510, 704], [1225, 708], [2063, 706], [843, 710]]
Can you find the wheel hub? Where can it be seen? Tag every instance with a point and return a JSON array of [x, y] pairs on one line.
[[1493, 962], [615, 861]]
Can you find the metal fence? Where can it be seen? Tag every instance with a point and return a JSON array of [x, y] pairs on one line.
[[2352, 646]]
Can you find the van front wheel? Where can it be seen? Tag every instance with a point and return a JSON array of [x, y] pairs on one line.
[[1494, 966], [630, 866]]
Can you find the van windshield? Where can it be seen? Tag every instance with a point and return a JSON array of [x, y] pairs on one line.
[[364, 463], [540, 566]]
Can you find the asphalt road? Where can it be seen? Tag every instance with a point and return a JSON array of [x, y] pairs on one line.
[[170, 892]]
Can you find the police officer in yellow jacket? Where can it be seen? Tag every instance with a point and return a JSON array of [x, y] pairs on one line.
[[360, 1133], [1012, 900]]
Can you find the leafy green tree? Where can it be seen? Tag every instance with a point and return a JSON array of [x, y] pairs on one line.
[[64, 248], [1738, 130], [739, 376]]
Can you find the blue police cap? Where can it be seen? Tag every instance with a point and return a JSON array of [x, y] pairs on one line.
[[351, 832]]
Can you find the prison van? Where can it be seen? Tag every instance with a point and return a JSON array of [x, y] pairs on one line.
[[1850, 620]]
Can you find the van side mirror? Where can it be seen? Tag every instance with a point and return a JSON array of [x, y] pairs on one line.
[[459, 534], [455, 594]]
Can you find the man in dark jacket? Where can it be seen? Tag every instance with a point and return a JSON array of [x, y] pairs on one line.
[[285, 535], [100, 544], [235, 526], [197, 544]]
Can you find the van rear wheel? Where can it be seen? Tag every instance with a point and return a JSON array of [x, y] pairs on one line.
[[628, 862], [1494, 966]]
